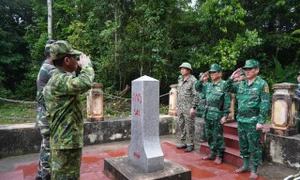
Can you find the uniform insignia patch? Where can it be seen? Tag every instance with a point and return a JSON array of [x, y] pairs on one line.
[[267, 89]]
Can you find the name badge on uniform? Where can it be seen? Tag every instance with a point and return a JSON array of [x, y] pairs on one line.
[[267, 89]]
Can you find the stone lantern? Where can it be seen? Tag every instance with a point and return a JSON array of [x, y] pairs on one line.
[[172, 99], [95, 103], [284, 110]]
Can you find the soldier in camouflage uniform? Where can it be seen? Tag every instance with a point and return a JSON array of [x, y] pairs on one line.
[[43, 171], [217, 109], [187, 101], [237, 80], [201, 106], [64, 109], [253, 105]]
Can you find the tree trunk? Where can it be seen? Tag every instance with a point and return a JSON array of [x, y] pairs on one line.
[[49, 2]]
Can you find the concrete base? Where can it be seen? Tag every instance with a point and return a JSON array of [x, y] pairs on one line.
[[288, 132], [120, 168], [98, 132], [283, 150]]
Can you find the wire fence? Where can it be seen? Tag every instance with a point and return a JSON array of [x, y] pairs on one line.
[[20, 111]]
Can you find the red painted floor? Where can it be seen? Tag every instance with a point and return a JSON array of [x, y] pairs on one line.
[[93, 164]]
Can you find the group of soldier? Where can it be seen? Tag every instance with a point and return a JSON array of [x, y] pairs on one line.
[[60, 121], [212, 100]]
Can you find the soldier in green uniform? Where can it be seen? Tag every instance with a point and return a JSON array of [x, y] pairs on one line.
[[64, 109], [45, 73], [253, 105], [187, 101], [201, 106], [237, 80], [217, 109]]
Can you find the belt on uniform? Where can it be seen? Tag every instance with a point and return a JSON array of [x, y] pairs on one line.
[[213, 104], [248, 114]]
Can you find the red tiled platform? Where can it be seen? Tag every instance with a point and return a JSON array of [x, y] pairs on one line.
[[92, 166]]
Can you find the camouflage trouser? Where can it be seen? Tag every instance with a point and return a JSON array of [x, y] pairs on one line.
[[187, 128], [65, 164], [43, 171], [249, 141], [214, 136], [201, 109]]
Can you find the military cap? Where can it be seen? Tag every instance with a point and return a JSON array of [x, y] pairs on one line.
[[47, 46], [200, 74], [215, 68], [242, 72], [251, 63], [180, 76], [186, 65], [62, 48]]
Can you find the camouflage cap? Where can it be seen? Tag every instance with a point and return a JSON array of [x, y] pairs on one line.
[[186, 65], [200, 74], [61, 48], [215, 68], [47, 46], [251, 63]]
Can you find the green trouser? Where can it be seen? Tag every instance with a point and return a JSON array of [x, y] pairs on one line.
[[249, 141], [187, 128], [201, 108], [65, 164], [43, 171], [214, 136]]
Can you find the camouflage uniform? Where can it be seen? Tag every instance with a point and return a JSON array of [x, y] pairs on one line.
[[253, 107], [45, 73], [187, 98], [217, 106], [64, 109], [202, 101]]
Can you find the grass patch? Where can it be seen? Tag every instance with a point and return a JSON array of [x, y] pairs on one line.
[[16, 113]]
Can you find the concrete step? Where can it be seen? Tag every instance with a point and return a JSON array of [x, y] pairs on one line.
[[12, 175], [231, 155], [231, 141], [231, 128]]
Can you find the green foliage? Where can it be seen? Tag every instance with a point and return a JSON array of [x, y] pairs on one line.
[[127, 39]]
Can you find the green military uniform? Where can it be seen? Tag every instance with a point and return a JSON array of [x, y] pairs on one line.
[[236, 102], [187, 98], [217, 106], [45, 73], [253, 106], [64, 110], [201, 106]]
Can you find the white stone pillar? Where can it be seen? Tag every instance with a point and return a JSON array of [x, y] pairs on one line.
[[144, 150]]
